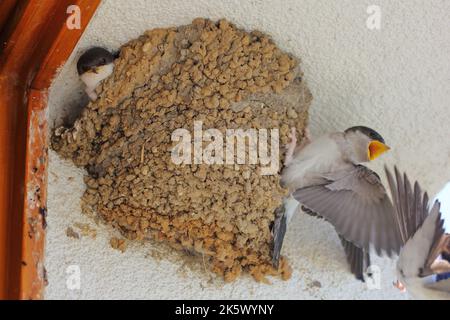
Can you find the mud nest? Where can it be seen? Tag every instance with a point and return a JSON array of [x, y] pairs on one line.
[[165, 80]]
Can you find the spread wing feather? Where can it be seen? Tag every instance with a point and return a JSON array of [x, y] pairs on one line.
[[357, 258], [355, 202], [421, 229]]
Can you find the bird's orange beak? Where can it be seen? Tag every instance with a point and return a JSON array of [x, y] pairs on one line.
[[376, 149], [399, 286]]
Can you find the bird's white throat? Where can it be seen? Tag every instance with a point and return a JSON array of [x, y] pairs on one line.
[[92, 79]]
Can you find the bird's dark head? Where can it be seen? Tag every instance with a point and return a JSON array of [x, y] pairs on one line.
[[372, 134], [368, 143], [94, 58]]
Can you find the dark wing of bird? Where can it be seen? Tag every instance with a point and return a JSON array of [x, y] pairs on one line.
[[357, 258], [278, 231], [355, 202], [421, 229]]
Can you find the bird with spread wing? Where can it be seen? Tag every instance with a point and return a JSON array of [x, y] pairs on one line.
[[423, 266], [326, 176]]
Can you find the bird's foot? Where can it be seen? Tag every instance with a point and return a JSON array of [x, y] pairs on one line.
[[306, 136], [399, 286], [306, 139], [290, 147]]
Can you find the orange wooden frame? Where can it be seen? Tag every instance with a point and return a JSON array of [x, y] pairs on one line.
[[36, 43]]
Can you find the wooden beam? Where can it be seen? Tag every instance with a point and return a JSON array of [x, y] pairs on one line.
[[38, 44]]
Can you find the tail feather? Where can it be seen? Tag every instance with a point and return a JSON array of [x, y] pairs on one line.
[[283, 215], [278, 231], [357, 258]]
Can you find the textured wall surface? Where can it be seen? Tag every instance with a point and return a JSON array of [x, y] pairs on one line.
[[396, 80]]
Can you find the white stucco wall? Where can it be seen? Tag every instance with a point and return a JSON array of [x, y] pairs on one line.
[[396, 80]]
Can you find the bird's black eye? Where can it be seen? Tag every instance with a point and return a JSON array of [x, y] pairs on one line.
[[402, 273], [374, 136]]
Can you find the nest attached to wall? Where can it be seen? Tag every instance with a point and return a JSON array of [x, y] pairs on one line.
[[165, 80]]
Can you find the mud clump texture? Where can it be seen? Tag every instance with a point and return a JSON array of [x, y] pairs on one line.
[[165, 80]]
